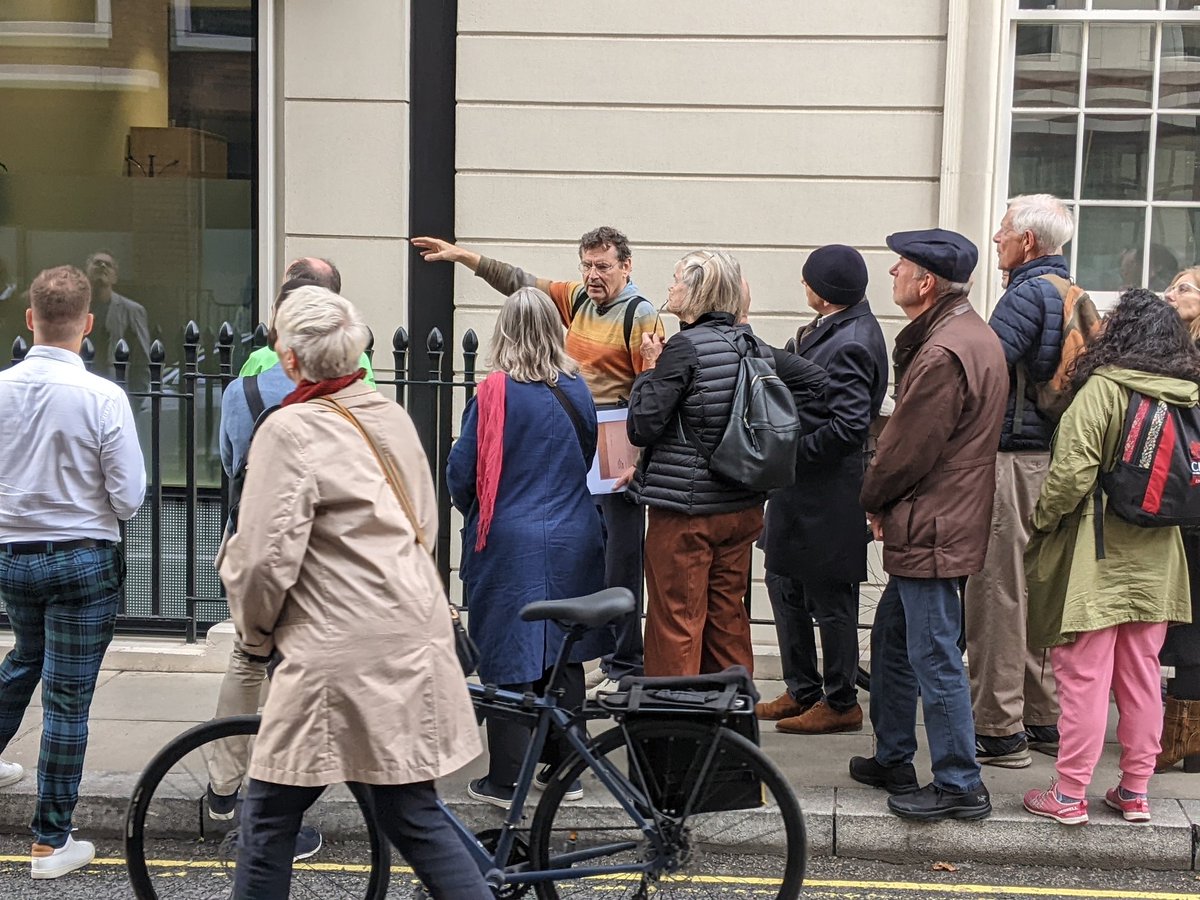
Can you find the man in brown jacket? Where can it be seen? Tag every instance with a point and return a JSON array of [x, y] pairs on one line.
[[928, 496]]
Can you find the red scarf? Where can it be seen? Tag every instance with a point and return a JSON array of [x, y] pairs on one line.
[[489, 454], [307, 390]]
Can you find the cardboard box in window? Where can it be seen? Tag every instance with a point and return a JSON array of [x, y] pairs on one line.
[[178, 153]]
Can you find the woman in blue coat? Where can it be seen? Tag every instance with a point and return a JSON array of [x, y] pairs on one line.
[[518, 474]]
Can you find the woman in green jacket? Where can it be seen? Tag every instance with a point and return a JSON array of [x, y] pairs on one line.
[[1104, 620]]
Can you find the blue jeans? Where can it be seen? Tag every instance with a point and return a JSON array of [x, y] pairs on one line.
[[914, 649]]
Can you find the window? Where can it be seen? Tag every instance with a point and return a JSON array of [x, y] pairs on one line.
[[130, 139], [1105, 113]]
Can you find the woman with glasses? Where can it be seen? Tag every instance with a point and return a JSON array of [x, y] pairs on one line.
[[1181, 719]]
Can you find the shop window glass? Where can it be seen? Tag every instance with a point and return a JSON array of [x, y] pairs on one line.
[[132, 142]]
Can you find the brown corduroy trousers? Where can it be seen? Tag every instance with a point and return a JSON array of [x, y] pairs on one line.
[[697, 571]]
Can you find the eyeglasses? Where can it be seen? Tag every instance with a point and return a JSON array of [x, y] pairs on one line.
[[1183, 287], [602, 268]]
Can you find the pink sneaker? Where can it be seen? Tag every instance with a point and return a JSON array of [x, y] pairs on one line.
[[1049, 803], [1135, 808]]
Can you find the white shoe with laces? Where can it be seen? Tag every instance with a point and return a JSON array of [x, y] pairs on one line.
[[10, 773], [50, 862], [594, 678], [605, 686]]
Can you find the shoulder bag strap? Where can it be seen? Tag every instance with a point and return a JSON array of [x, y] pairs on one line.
[[389, 470], [570, 410]]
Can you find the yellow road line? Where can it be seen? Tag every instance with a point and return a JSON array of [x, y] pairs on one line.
[[978, 890]]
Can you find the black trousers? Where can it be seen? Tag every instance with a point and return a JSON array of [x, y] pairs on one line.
[[835, 609], [624, 534], [407, 813], [508, 740]]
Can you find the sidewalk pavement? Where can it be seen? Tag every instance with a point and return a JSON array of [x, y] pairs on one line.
[[136, 712]]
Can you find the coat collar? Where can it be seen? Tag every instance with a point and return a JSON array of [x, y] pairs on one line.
[[814, 332]]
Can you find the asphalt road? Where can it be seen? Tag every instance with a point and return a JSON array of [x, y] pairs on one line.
[[828, 879]]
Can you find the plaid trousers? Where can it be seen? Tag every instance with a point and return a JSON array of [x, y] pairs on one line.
[[62, 607]]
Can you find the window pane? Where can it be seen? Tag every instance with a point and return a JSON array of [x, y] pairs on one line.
[[1115, 156], [1046, 72], [1042, 159], [1176, 157], [1120, 65], [1110, 247], [155, 164], [1183, 4], [1179, 81], [1124, 4], [1177, 232]]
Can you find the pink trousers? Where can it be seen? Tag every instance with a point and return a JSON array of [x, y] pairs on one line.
[[1123, 658]]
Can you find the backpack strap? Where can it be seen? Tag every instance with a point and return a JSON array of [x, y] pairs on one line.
[[571, 411], [254, 398]]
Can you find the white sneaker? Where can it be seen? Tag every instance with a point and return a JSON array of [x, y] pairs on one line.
[[604, 686], [50, 863], [594, 677], [10, 773]]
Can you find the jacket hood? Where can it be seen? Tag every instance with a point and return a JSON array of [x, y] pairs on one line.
[[1161, 387]]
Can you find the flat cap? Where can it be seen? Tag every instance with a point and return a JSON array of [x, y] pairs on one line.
[[942, 252]]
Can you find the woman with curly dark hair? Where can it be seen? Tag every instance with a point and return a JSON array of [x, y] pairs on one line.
[[1104, 619]]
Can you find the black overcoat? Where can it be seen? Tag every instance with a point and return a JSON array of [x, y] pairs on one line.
[[816, 530]]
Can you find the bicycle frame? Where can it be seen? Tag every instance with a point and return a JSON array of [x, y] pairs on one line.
[[523, 707]]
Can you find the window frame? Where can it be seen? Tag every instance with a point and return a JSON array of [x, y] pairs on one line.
[[1088, 16]]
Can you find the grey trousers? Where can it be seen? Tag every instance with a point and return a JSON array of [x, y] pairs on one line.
[[1011, 686]]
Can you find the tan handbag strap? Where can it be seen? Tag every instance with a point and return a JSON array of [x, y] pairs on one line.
[[385, 463]]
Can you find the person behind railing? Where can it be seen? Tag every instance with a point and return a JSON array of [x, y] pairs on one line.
[[701, 528], [1181, 649], [328, 573], [72, 472], [305, 270], [117, 318], [518, 473]]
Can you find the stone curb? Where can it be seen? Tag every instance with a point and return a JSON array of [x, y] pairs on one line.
[[842, 822]]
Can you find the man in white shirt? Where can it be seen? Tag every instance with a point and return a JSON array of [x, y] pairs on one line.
[[70, 471]]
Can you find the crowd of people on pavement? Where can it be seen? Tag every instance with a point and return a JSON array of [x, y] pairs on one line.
[[985, 500]]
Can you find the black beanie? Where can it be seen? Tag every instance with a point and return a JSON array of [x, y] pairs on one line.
[[837, 274]]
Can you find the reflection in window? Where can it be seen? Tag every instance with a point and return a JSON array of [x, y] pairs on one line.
[[1110, 246], [1115, 154], [1120, 70], [136, 151], [1047, 65], [1177, 158], [1043, 155], [1180, 79]]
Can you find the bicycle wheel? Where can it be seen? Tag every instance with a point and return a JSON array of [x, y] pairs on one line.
[[173, 848], [755, 852], [869, 593]]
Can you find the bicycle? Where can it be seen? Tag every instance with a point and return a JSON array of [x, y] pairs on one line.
[[674, 789]]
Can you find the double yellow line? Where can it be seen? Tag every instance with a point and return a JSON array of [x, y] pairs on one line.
[[827, 887]]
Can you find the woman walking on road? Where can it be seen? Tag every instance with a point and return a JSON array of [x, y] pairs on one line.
[[1104, 615]]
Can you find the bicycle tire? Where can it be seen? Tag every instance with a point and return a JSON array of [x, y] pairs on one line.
[[737, 832], [142, 806]]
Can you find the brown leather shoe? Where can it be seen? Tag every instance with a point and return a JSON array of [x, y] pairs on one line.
[[782, 707], [823, 719]]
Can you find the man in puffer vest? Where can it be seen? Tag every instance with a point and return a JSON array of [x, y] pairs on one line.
[[1012, 689]]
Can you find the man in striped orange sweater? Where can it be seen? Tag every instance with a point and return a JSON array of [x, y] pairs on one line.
[[606, 317]]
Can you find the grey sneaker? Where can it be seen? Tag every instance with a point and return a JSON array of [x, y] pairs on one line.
[[308, 843], [1011, 752], [1042, 738]]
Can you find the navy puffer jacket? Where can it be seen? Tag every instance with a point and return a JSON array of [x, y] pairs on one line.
[[1029, 322]]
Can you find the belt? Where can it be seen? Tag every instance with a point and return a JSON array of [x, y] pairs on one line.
[[29, 547]]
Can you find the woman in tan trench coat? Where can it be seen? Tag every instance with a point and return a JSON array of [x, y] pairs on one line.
[[325, 572]]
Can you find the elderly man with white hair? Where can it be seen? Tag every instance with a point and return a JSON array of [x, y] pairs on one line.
[[1012, 692]]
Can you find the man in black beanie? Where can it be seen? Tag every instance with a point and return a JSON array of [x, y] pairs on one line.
[[815, 538]]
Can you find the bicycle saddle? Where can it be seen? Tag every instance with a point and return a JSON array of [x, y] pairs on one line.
[[593, 610]]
